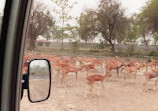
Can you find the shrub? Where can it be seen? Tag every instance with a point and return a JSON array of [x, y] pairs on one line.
[[75, 46], [103, 44], [130, 50], [153, 53]]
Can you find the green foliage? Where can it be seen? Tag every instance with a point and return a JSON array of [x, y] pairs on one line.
[[40, 22], [132, 34], [63, 10], [156, 40], [103, 44], [148, 20], [108, 20], [57, 32], [130, 50], [93, 52], [144, 30], [112, 22], [87, 25], [153, 53], [150, 15], [75, 46]]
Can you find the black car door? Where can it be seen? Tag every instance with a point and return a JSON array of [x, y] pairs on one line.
[[14, 25]]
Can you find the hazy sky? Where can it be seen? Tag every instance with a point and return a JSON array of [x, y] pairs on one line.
[[2, 5], [132, 6]]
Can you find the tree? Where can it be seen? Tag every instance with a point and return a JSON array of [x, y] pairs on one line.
[[109, 21], [47, 35], [150, 15], [63, 10], [149, 19], [40, 22], [133, 31], [156, 40], [88, 25], [144, 29], [112, 22], [132, 34], [87, 29]]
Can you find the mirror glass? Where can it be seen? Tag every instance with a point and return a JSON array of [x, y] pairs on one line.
[[39, 80]]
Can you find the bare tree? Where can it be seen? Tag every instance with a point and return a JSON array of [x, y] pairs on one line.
[[63, 9], [40, 22]]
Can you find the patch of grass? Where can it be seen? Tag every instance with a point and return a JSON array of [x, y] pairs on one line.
[[153, 53], [95, 52]]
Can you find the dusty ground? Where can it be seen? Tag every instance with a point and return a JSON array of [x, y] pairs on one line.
[[115, 96]]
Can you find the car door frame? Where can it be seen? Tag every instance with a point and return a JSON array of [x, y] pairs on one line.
[[12, 39]]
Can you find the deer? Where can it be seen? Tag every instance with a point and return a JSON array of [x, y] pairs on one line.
[[130, 70], [156, 63], [155, 70], [58, 67], [132, 66], [63, 62], [113, 64], [134, 63], [67, 69], [138, 65], [131, 62], [100, 62], [150, 64], [90, 63], [94, 78], [89, 67], [150, 75]]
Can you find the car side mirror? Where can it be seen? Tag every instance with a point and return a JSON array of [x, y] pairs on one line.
[[39, 80]]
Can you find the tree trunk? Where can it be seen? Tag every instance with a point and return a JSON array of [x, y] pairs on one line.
[[62, 39], [156, 47], [112, 47], [62, 43], [32, 42], [145, 41], [62, 47]]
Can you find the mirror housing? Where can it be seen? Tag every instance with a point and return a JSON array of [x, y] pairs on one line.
[[37, 80]]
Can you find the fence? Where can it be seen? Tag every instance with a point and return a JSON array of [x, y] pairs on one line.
[[92, 45]]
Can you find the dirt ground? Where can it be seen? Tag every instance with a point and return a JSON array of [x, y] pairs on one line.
[[115, 96]]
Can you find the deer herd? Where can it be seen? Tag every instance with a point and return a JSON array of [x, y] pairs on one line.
[[98, 69]]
